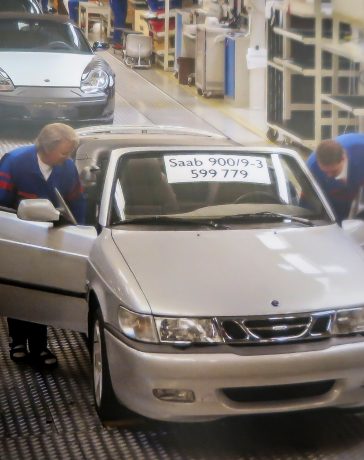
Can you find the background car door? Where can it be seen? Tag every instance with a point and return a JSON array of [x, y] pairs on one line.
[[43, 271]]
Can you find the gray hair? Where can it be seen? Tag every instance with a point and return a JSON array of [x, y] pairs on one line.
[[53, 134]]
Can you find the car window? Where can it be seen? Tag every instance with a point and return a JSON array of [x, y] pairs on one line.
[[213, 184], [41, 35], [26, 6]]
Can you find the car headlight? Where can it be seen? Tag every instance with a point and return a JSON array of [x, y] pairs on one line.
[[94, 81], [350, 321], [137, 326], [146, 328], [5, 82], [187, 330]]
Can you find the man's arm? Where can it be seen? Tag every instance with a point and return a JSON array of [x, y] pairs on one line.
[[7, 186]]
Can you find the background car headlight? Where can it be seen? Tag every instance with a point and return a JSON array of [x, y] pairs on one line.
[[95, 80], [5, 82], [349, 321], [137, 326], [190, 330]]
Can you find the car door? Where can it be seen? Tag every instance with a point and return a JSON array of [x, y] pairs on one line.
[[43, 271]]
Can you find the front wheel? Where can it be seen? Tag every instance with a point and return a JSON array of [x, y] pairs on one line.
[[106, 404]]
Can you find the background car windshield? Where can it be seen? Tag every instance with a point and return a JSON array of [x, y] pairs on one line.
[[41, 35], [213, 184], [26, 6]]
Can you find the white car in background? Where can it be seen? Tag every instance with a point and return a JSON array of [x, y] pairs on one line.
[[212, 279], [23, 6], [48, 72]]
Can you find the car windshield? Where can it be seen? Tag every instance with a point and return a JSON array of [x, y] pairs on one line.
[[26, 6], [216, 185], [41, 36]]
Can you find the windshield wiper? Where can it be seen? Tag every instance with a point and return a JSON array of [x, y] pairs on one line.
[[172, 220], [300, 220]]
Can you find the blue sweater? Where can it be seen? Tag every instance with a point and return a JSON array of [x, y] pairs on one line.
[[20, 178], [341, 193]]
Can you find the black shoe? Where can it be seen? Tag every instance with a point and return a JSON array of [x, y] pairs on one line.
[[44, 359], [19, 353]]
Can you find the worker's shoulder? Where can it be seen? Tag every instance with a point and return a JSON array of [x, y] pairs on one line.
[[351, 139], [21, 153], [311, 160]]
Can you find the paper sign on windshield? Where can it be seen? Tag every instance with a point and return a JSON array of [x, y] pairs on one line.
[[216, 168]]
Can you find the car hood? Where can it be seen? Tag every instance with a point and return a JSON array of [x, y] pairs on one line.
[[240, 272], [44, 69]]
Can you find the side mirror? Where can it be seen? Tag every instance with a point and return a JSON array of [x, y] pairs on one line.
[[100, 46], [355, 229], [38, 210]]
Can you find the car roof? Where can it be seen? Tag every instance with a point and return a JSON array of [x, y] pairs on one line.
[[119, 136], [41, 17], [98, 142]]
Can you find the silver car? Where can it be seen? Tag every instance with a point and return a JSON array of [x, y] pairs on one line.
[[28, 6], [211, 279], [48, 72]]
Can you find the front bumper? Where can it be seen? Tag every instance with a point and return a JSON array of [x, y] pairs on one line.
[[135, 374], [56, 104]]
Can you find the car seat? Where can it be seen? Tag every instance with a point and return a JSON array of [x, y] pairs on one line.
[[145, 188]]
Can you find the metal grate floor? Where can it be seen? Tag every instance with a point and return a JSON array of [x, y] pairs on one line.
[[51, 415]]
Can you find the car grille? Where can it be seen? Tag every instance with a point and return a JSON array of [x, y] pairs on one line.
[[278, 392], [277, 329], [13, 112]]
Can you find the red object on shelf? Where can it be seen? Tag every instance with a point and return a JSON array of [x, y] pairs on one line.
[[157, 25]]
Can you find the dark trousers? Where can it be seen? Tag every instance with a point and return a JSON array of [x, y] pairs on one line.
[[120, 10], [23, 331], [73, 10]]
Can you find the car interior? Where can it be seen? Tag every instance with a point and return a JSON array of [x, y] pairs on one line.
[[146, 190]]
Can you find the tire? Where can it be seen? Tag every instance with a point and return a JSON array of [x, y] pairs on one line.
[[199, 91], [106, 404], [109, 121], [352, 410], [287, 140]]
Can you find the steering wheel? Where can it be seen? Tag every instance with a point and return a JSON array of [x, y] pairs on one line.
[[58, 44], [258, 196]]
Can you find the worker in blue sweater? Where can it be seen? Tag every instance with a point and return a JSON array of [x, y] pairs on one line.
[[34, 171], [338, 166], [73, 10], [120, 10]]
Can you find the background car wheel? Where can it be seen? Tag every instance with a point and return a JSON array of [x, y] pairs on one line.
[[272, 135], [106, 404]]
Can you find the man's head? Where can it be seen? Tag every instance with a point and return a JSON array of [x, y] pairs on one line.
[[56, 143], [331, 157]]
